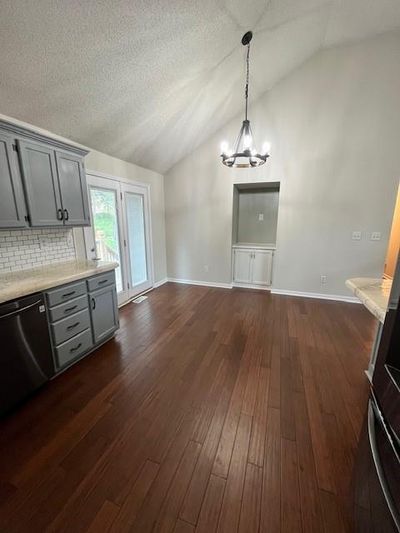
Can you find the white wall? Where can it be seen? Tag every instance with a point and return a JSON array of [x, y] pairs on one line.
[[334, 126], [100, 162]]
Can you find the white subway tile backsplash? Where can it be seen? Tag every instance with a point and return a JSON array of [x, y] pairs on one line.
[[21, 249]]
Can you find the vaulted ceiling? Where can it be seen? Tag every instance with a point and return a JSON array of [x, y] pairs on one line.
[[147, 81]]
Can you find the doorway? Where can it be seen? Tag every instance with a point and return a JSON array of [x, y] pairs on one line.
[[120, 231]]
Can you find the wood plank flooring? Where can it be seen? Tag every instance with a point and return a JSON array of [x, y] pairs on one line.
[[212, 410]]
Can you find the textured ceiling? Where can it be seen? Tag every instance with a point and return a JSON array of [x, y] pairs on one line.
[[147, 81]]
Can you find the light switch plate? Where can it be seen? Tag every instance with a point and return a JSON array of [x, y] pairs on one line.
[[356, 235], [261, 217]]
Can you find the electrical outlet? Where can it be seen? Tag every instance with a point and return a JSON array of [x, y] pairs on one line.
[[356, 235], [323, 280], [376, 236]]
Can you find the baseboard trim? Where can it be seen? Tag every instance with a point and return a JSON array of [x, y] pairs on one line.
[[283, 292], [317, 295], [159, 283], [250, 286], [201, 283]]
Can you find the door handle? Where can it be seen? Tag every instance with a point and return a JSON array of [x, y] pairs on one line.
[[76, 347], [93, 303], [66, 214], [69, 309], [60, 215], [68, 294]]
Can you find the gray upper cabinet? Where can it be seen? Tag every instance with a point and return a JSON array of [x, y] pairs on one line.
[[72, 180], [38, 165], [104, 313], [52, 191], [12, 202]]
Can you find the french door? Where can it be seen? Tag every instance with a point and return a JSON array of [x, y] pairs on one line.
[[120, 232]]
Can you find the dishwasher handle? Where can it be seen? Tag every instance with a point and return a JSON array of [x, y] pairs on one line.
[[18, 311]]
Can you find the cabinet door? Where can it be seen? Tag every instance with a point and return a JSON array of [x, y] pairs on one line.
[[242, 266], [38, 164], [12, 202], [104, 313], [261, 267], [72, 179]]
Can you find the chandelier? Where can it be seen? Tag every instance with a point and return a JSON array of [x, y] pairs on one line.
[[244, 154]]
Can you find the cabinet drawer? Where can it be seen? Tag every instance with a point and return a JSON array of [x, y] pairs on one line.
[[68, 292], [67, 309], [98, 282], [75, 347], [71, 326]]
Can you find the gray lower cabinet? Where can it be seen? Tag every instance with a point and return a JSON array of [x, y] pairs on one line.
[[104, 312], [12, 202], [81, 319], [42, 180]]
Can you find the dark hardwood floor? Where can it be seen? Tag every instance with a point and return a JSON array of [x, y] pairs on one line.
[[211, 410]]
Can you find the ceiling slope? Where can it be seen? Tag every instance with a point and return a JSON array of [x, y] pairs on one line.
[[148, 81]]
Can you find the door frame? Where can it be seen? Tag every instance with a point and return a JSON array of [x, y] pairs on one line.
[[117, 182]]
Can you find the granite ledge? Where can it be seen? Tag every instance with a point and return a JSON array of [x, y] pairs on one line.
[[373, 293], [24, 282]]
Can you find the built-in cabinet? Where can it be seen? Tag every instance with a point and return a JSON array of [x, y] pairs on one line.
[[252, 266], [82, 315], [42, 181], [254, 230]]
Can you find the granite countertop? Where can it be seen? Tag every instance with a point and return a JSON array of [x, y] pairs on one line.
[[23, 282], [373, 293]]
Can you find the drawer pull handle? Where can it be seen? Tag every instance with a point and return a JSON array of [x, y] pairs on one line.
[[68, 294], [102, 281], [76, 347], [69, 309], [72, 326], [93, 303]]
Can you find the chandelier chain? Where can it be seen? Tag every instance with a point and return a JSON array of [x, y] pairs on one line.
[[246, 91]]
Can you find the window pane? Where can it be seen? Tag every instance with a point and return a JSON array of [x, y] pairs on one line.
[[105, 226], [136, 236]]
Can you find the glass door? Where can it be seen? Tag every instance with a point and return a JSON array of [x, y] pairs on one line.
[[136, 210], [103, 238], [120, 232]]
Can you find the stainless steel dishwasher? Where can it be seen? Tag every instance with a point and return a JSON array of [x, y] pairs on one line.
[[26, 360]]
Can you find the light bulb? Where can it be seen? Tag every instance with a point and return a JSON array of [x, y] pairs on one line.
[[224, 147], [247, 141], [266, 147]]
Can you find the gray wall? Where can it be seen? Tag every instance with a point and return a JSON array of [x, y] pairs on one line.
[[250, 205], [334, 127]]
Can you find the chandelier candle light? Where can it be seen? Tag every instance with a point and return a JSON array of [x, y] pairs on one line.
[[245, 154]]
